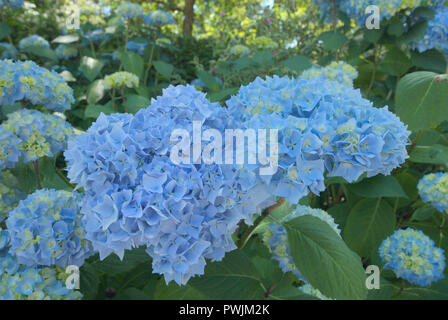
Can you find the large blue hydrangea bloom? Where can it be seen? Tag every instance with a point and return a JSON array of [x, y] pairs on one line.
[[137, 47], [35, 134], [433, 188], [129, 10], [339, 71], [136, 196], [324, 126], [9, 51], [33, 41], [158, 18], [412, 256], [436, 35], [45, 229], [66, 52], [20, 282], [24, 80], [276, 237]]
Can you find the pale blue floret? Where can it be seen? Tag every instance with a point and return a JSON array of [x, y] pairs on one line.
[[433, 188], [412, 256], [129, 10], [45, 229], [158, 18]]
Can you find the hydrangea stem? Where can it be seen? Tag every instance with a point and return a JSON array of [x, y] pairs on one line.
[[151, 54], [36, 172], [123, 96], [266, 212]]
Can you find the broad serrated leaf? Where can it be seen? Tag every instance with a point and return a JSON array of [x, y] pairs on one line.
[[113, 265], [95, 92], [135, 102], [297, 63], [89, 281], [377, 187], [132, 63], [332, 40], [70, 38], [90, 67], [163, 68]]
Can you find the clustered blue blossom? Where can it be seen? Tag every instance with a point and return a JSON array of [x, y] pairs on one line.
[[16, 4], [35, 134], [276, 238], [412, 256], [129, 10], [96, 35], [20, 282], [66, 52], [433, 188], [9, 150], [137, 47], [45, 229], [339, 71], [136, 196], [9, 51], [158, 18], [436, 35], [323, 126], [199, 83], [25, 80], [10, 194], [33, 41]]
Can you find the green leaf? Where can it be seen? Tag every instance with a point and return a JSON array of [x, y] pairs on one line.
[[42, 52], [340, 213], [373, 35], [172, 291], [209, 80], [377, 187], [370, 221], [5, 30], [422, 99], [297, 63], [435, 154], [94, 110], [49, 177], [395, 28], [324, 259], [234, 278], [430, 60], [437, 291], [113, 265], [396, 62], [243, 63], [425, 12], [136, 102], [222, 95], [132, 294], [70, 38], [95, 92], [90, 67], [89, 281], [332, 40], [264, 58], [163, 68], [132, 63], [416, 32], [67, 76], [424, 213]]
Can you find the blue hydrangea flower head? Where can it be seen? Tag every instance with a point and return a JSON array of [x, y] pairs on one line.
[[10, 194], [33, 41], [339, 71], [9, 150], [16, 4], [45, 229], [136, 196], [436, 35], [66, 52], [9, 51], [412, 256], [433, 188], [24, 80], [198, 83], [129, 10], [96, 36], [158, 18], [324, 128], [276, 238], [137, 47], [38, 134], [240, 50]]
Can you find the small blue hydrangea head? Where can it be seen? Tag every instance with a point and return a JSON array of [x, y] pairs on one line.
[[8, 51], [121, 79], [33, 41], [9, 150], [436, 35], [24, 80], [137, 47], [184, 213], [66, 52], [96, 36], [433, 188], [324, 128], [339, 71], [276, 238], [15, 4], [45, 229], [38, 134], [412, 256], [158, 18], [129, 10], [240, 50], [10, 194]]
